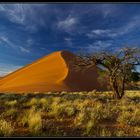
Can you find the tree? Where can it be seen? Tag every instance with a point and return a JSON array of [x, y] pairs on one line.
[[119, 67]]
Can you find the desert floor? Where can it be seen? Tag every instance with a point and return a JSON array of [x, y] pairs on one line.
[[68, 114]]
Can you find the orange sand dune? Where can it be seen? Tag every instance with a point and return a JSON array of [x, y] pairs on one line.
[[53, 72]]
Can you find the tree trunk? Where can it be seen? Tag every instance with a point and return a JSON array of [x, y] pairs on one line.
[[116, 92], [123, 87], [114, 86]]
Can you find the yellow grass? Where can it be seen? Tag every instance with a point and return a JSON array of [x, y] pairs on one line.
[[70, 114]]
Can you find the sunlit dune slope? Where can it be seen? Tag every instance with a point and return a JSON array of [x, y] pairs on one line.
[[53, 72]]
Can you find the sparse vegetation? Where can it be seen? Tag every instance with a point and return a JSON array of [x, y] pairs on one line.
[[35, 122], [119, 67], [70, 114], [6, 128]]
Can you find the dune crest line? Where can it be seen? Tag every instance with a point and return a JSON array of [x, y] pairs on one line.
[[53, 72]]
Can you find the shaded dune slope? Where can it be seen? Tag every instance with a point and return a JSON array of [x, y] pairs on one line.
[[53, 72]]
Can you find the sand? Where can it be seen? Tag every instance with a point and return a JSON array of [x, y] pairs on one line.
[[53, 72]]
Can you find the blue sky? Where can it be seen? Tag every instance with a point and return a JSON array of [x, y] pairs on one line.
[[30, 31]]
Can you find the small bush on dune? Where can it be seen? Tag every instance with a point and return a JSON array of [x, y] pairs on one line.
[[6, 128], [77, 103], [32, 102], [44, 104], [43, 101], [11, 103], [57, 110], [57, 100]]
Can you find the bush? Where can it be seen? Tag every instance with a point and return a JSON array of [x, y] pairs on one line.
[[70, 111], [105, 132], [32, 102], [35, 123], [89, 127], [32, 119], [80, 118], [129, 118], [12, 113], [44, 104], [6, 128], [11, 103]]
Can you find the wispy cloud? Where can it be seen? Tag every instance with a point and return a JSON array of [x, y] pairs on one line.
[[7, 68], [11, 44], [26, 15], [68, 23], [5, 40], [99, 32], [99, 45], [15, 13], [129, 27], [23, 49]]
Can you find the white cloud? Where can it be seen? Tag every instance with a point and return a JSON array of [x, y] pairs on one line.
[[23, 49], [16, 13], [98, 32], [132, 25], [9, 43], [4, 39], [27, 15], [7, 68], [67, 24]]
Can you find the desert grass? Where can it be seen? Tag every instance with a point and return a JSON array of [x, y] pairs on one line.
[[81, 114], [6, 128]]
